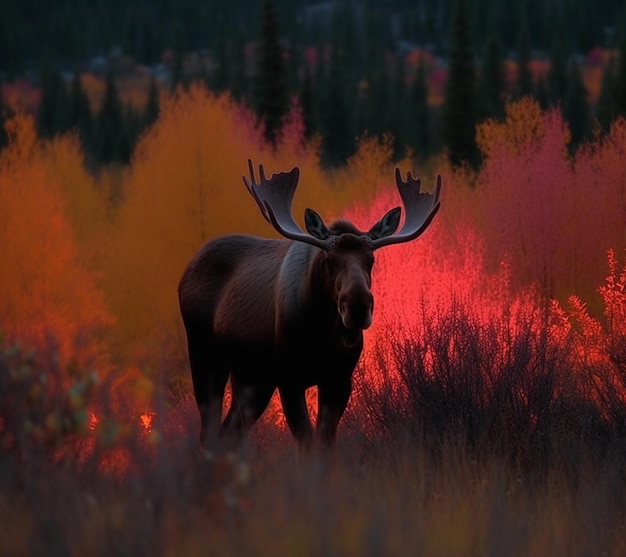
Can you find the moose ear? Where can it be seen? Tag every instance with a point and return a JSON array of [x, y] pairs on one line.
[[315, 225], [386, 226]]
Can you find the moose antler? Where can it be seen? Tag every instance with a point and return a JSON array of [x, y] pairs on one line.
[[420, 208], [274, 197]]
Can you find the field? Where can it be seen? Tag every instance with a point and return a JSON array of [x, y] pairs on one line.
[[489, 410]]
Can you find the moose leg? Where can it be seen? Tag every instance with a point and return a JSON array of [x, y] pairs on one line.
[[247, 404], [209, 377], [332, 401], [297, 415]]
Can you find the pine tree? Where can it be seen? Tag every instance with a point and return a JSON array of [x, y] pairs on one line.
[[272, 99], [338, 137], [541, 93], [557, 74], [151, 110], [238, 78], [575, 107], [524, 85], [419, 121], [53, 110], [398, 107], [3, 118], [131, 130], [80, 116], [378, 119], [459, 110], [110, 130], [605, 111], [306, 103], [492, 83], [619, 82], [221, 78]]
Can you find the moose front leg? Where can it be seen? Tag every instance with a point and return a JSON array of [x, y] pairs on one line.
[[332, 400], [297, 415]]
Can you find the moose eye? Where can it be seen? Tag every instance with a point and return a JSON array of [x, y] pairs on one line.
[[331, 261]]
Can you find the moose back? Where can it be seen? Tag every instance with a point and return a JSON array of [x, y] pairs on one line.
[[286, 314]]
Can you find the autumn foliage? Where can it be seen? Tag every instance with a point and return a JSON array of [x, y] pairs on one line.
[[492, 386], [91, 263]]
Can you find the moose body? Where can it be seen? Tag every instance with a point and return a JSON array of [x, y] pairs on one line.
[[285, 314]]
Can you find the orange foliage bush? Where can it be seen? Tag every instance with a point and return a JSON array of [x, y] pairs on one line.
[[185, 186], [87, 256], [49, 293]]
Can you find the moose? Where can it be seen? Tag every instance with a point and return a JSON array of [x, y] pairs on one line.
[[286, 314]]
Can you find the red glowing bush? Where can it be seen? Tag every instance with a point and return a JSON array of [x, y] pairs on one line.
[[552, 217]]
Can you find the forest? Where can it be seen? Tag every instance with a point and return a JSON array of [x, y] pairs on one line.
[[489, 407], [356, 68]]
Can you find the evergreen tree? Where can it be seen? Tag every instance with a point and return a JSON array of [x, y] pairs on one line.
[[524, 84], [378, 119], [178, 77], [221, 78], [459, 110], [541, 93], [575, 107], [306, 103], [397, 109], [110, 130], [619, 82], [557, 74], [80, 116], [605, 111], [419, 121], [131, 130], [3, 118], [492, 84], [339, 137], [53, 110], [239, 86], [151, 110], [272, 99]]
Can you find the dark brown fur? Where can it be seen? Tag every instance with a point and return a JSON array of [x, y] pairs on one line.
[[266, 329], [286, 314]]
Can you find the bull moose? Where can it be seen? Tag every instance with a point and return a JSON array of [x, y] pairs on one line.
[[286, 314]]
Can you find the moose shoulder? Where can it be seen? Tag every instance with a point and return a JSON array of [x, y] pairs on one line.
[[286, 314]]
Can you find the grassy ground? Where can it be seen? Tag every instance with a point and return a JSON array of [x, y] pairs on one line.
[[372, 497]]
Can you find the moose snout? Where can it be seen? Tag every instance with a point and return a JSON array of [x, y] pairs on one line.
[[356, 310]]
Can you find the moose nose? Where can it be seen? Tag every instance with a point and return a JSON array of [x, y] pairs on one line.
[[356, 313]]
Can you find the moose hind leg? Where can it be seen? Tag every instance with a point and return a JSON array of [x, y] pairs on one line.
[[247, 405], [209, 376]]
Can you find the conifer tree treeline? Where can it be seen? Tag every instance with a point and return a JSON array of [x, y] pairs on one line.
[[344, 61]]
